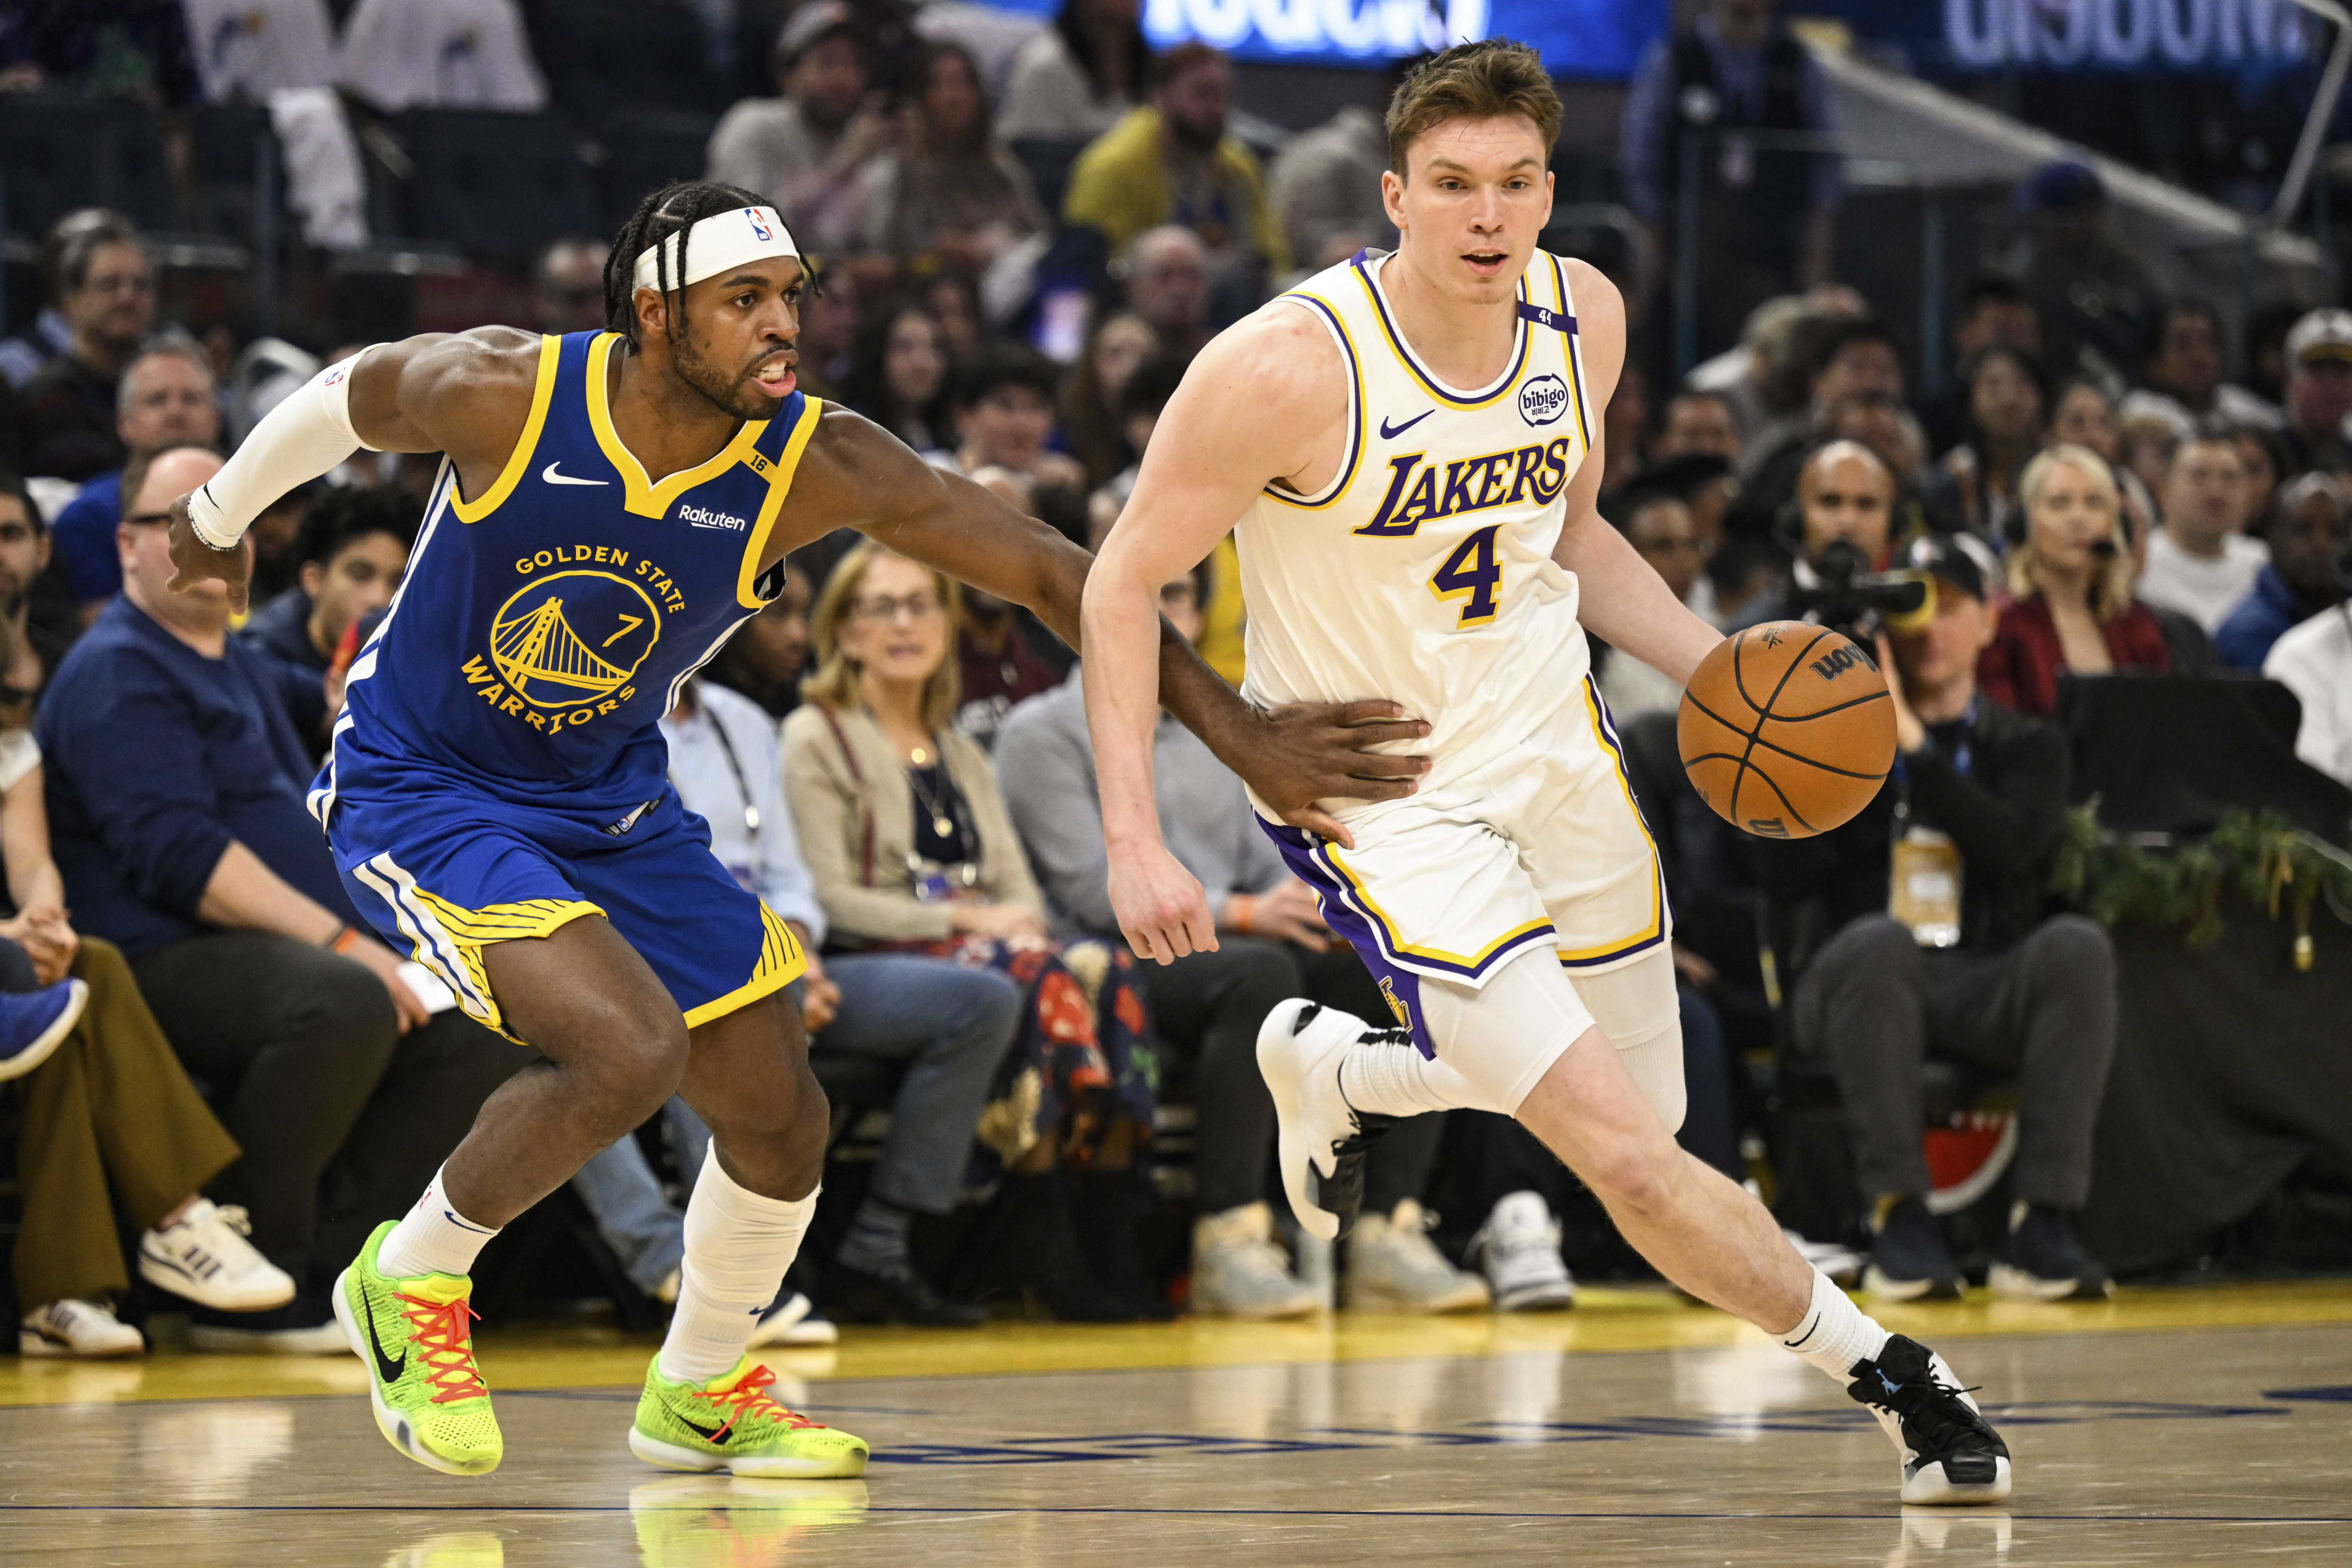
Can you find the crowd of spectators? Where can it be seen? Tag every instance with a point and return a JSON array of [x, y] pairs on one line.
[[899, 767]]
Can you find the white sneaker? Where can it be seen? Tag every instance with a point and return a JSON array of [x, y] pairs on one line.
[[793, 1321], [203, 1256], [323, 1339], [1321, 1138], [1394, 1267], [1842, 1264], [1518, 1249], [1239, 1272], [76, 1328]]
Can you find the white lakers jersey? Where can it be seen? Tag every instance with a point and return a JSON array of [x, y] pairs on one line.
[[1422, 572]]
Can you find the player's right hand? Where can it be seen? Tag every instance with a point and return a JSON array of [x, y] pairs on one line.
[[195, 561], [1162, 911], [1316, 751]]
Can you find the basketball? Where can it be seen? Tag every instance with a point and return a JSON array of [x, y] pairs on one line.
[[1785, 730]]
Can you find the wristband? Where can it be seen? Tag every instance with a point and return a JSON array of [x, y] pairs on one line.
[[209, 524], [1241, 908], [346, 937]]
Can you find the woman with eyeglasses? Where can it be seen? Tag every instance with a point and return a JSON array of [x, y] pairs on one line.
[[912, 851]]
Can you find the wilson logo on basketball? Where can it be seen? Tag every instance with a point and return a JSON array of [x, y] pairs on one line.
[[1543, 400], [1837, 661]]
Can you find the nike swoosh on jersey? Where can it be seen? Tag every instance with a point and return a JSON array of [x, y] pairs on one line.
[[553, 478], [1386, 433]]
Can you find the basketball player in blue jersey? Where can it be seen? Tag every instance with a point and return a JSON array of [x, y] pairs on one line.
[[612, 505], [1415, 469]]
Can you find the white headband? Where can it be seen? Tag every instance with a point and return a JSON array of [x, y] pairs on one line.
[[725, 240]]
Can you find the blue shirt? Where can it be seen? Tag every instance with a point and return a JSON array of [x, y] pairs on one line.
[[85, 535], [158, 757], [1647, 137], [2244, 636]]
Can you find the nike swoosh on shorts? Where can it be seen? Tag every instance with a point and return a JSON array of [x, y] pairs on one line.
[[553, 478]]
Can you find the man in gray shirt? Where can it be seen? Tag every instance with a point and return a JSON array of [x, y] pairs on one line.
[[1207, 1007]]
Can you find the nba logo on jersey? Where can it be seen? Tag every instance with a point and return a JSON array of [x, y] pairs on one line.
[[760, 229]]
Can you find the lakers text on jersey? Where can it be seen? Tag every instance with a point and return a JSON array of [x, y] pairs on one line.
[[497, 769], [1423, 573]]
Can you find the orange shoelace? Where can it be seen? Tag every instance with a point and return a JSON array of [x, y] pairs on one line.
[[447, 1344], [750, 1397]]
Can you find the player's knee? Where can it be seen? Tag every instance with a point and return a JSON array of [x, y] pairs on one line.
[[644, 1063], [1639, 1174]]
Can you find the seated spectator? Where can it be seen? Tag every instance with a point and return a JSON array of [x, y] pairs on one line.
[[1118, 343], [175, 801], [1176, 162], [1968, 972], [996, 667], [1845, 501], [899, 376], [567, 286], [1697, 422], [1976, 484], [2199, 559], [1858, 355], [40, 619], [2314, 661], [1625, 430], [1326, 184], [2182, 374], [51, 335], [2318, 393], [1658, 525], [2264, 457], [106, 292], [2071, 576], [1763, 378], [2150, 442], [905, 834], [808, 148], [1208, 1006], [829, 320], [950, 1025], [1995, 312], [2298, 582], [2186, 645], [767, 655], [953, 301], [1145, 393], [109, 1113], [355, 552], [441, 54], [166, 398], [948, 187], [1887, 427], [1167, 274], [1075, 80], [1001, 401], [2085, 415]]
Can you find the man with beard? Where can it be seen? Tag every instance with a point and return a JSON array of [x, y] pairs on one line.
[[1173, 162], [809, 147], [612, 506], [107, 294]]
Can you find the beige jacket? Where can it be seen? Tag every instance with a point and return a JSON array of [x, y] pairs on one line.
[[835, 812]]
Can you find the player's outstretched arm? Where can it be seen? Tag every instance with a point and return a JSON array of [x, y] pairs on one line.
[[467, 394], [1621, 598]]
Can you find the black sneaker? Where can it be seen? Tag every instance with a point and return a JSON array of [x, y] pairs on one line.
[[1908, 1259], [895, 1293], [2044, 1262], [1950, 1453]]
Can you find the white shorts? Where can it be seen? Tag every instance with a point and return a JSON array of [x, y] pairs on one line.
[[1542, 844]]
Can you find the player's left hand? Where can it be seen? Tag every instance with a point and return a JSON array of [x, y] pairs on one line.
[[1317, 751], [193, 560], [1162, 911]]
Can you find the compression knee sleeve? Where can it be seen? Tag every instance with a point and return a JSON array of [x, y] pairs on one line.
[[1505, 1036], [1637, 1008], [304, 436]]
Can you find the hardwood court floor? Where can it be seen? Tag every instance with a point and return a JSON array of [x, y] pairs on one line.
[[2171, 1426]]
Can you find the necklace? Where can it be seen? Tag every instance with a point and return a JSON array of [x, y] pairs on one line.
[[942, 823]]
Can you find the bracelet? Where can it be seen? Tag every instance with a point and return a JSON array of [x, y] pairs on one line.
[[346, 937], [1241, 908]]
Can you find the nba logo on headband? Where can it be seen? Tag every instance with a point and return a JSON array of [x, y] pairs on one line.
[[760, 229]]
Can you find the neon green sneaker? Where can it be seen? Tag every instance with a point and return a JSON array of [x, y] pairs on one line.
[[731, 1423], [417, 1338]]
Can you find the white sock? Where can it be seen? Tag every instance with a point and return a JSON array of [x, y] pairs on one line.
[[1389, 1077], [1834, 1332], [433, 1238], [737, 1246]]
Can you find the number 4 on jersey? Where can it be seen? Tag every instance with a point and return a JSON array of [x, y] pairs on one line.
[[1472, 572]]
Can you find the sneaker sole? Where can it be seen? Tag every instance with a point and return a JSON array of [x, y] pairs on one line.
[[1878, 1287], [395, 1426], [29, 1343], [1467, 1298], [1926, 1487], [166, 1275], [671, 1457], [1557, 1298], [1278, 1064], [47, 1042], [2015, 1284]]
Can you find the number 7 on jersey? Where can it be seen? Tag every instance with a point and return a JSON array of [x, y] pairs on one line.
[[1472, 574]]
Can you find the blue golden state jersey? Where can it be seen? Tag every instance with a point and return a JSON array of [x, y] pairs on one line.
[[545, 627]]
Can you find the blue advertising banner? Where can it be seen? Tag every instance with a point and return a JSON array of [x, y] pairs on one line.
[[1964, 36]]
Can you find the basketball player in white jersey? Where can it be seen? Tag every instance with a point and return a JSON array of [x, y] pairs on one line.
[[1412, 443]]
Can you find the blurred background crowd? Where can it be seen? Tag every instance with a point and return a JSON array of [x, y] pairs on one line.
[[2010, 333]]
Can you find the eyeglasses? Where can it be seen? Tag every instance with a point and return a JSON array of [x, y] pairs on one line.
[[123, 283], [883, 608]]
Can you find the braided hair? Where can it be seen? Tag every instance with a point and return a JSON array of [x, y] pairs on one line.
[[674, 209]]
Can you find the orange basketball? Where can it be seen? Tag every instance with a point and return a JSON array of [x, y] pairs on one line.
[[1785, 730]]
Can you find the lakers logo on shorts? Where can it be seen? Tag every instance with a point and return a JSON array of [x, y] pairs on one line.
[[1388, 991], [573, 636]]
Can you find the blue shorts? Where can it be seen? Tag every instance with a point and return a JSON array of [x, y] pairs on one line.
[[442, 874]]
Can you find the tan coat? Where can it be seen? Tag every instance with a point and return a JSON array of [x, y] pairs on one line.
[[833, 810]]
